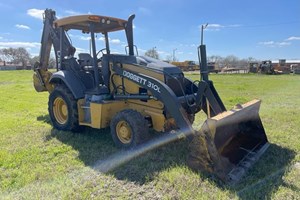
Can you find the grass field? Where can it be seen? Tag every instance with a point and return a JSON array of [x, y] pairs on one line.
[[38, 162]]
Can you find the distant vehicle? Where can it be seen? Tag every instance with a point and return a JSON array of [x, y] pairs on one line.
[[253, 67], [266, 67], [187, 65], [282, 67], [295, 68], [213, 68]]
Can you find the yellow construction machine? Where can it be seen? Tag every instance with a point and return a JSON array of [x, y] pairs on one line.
[[132, 94], [187, 65]]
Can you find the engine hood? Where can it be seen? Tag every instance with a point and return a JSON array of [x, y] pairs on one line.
[[145, 62]]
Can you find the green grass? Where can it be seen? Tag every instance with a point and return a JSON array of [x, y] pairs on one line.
[[38, 162]]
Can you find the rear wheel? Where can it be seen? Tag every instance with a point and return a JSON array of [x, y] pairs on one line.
[[62, 108], [129, 128]]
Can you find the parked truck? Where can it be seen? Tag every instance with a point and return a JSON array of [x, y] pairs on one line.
[[187, 65]]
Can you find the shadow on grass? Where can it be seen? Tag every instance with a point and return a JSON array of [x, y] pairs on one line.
[[260, 182], [145, 167], [267, 175], [97, 145], [44, 118], [91, 144]]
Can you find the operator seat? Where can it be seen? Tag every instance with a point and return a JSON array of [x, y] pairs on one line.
[[86, 73], [86, 63], [85, 59], [71, 51]]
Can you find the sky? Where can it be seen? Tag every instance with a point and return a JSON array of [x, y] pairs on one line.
[[262, 29]]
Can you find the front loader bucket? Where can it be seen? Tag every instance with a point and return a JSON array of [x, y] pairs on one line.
[[228, 144]]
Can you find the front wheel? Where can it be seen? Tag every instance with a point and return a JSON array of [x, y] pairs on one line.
[[62, 108], [129, 128]]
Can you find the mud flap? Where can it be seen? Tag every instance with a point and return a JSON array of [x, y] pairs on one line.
[[228, 144]]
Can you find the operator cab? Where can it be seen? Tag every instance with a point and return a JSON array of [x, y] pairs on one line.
[[88, 65]]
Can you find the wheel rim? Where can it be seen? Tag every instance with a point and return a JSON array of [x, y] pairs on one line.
[[124, 132], [60, 110]]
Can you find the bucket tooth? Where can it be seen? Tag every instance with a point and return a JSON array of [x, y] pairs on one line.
[[228, 144]]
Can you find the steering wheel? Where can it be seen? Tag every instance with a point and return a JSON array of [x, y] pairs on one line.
[[101, 51]]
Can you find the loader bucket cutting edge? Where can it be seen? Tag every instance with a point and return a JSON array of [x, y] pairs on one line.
[[228, 144]]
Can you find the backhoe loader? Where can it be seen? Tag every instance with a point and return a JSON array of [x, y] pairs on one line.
[[132, 94]]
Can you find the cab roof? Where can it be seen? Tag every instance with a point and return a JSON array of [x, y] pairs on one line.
[[82, 22]]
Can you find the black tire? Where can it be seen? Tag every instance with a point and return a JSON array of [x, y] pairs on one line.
[[63, 110], [129, 128]]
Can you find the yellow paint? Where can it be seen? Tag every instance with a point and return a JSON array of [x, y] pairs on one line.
[[45, 75], [109, 110], [102, 113], [129, 85], [80, 103], [158, 120]]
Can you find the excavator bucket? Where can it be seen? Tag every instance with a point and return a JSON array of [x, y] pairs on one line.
[[41, 80], [228, 144]]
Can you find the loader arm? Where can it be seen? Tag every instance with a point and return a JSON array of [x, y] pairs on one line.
[[229, 142], [50, 37]]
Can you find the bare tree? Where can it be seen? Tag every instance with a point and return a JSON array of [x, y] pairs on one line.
[[51, 63], [152, 53], [243, 63], [15, 55], [34, 59], [231, 61], [215, 59], [170, 58]]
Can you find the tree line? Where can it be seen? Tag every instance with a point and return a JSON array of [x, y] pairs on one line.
[[21, 56], [230, 61]]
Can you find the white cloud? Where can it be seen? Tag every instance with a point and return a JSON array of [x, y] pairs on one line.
[[274, 44], [36, 13], [21, 26], [280, 44], [80, 50], [218, 27], [20, 44], [115, 41], [233, 26], [72, 12], [267, 43], [101, 38], [293, 38], [162, 52], [80, 37], [84, 38], [112, 41], [215, 26], [115, 52]]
